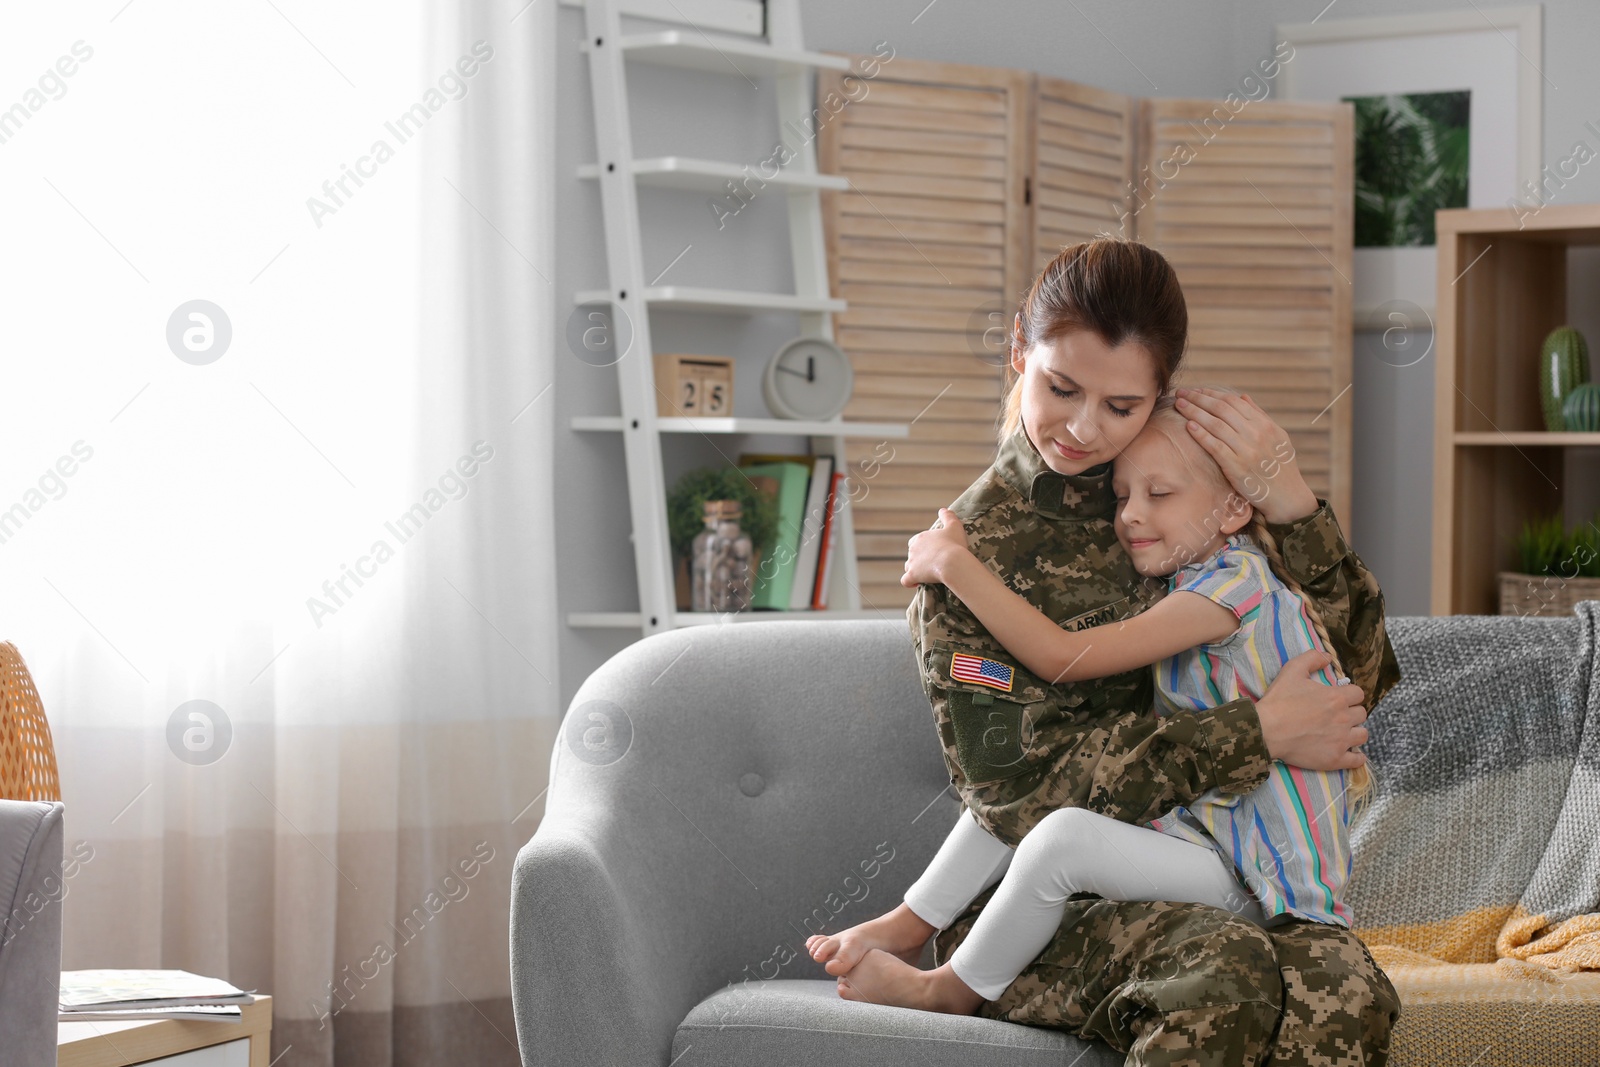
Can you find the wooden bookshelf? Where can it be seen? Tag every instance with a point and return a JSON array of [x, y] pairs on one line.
[[1502, 289]]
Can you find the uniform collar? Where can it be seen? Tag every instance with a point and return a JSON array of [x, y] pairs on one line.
[[1071, 496]]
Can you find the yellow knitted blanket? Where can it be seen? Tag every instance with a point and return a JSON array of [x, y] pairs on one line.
[[1488, 935], [1572, 945]]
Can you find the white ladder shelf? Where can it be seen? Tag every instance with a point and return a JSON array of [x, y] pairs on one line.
[[768, 44]]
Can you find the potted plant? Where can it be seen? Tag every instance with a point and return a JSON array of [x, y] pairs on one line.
[[686, 517], [1558, 569]]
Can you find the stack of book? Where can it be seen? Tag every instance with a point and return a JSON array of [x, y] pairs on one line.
[[135, 996], [793, 572]]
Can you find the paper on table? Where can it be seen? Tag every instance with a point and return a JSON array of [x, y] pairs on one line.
[[114, 989], [222, 1013]]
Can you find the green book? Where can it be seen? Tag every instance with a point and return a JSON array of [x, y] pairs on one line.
[[774, 577]]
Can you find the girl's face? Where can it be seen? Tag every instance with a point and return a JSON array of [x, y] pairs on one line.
[[1082, 401], [1167, 513]]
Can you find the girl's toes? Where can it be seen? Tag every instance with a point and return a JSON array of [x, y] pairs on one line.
[[848, 991], [844, 958]]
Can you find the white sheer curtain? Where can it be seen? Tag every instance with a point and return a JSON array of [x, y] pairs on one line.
[[284, 572]]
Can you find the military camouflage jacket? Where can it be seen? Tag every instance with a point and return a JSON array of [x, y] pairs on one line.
[[1017, 754]]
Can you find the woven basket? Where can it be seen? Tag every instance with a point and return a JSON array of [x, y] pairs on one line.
[[27, 755], [1544, 595]]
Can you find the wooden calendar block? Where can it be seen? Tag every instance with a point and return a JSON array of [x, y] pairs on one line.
[[689, 385]]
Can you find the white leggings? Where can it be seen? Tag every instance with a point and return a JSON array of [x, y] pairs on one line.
[[1070, 851]]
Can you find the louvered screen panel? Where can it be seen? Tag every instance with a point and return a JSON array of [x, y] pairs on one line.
[[929, 245], [1083, 170], [1254, 211]]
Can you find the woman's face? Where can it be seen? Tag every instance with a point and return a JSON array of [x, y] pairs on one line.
[[1082, 401]]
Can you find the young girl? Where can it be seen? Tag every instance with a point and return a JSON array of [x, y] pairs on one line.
[[1179, 518], [1098, 337]]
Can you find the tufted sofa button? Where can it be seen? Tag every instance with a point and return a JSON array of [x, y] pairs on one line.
[[752, 784]]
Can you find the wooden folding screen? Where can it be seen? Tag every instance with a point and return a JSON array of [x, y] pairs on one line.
[[931, 239], [1253, 209], [1083, 146], [966, 180], [1083, 149]]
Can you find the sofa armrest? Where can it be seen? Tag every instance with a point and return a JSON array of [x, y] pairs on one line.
[[31, 889], [586, 988]]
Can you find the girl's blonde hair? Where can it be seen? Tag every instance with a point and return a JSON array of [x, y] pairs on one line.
[[1166, 420], [1121, 289]]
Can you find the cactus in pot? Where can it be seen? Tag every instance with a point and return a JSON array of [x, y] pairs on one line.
[[1563, 364], [1580, 411]]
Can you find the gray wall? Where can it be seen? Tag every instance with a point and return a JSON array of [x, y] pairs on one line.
[[1392, 484], [1146, 48]]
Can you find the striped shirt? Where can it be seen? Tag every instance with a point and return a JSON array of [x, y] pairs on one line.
[[1288, 838]]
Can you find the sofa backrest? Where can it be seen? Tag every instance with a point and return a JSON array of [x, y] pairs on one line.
[[787, 775], [784, 776]]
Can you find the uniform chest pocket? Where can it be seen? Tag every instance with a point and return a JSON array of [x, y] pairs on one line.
[[986, 696]]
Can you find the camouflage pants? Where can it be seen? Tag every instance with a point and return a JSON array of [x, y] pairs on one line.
[[1190, 984], [1338, 1005]]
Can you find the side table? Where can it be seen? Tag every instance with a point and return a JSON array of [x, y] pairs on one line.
[[169, 1042]]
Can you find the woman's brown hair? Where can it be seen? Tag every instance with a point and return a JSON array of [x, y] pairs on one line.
[[1122, 290]]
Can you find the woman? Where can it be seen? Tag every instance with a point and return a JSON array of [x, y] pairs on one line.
[[1099, 337]]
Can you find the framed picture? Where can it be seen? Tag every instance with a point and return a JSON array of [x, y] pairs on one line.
[[1449, 113]]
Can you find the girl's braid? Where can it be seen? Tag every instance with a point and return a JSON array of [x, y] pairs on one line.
[[1360, 781]]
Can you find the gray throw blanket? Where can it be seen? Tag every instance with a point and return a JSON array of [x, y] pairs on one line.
[[1482, 838]]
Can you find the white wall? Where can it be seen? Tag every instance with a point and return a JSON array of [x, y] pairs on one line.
[[1144, 47]]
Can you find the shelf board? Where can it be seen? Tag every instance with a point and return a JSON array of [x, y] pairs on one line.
[[719, 301], [1535, 438], [727, 16], [723, 55], [746, 424], [706, 175], [1568, 224], [631, 620]]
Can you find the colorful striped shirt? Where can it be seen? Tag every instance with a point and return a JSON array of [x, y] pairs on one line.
[[1288, 838]]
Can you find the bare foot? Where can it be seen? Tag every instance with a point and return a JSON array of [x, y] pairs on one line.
[[882, 979], [901, 933]]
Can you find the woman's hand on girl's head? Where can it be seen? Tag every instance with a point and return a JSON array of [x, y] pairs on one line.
[[1253, 451], [928, 551]]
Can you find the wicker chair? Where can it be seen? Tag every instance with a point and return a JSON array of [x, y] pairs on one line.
[[30, 870], [27, 754]]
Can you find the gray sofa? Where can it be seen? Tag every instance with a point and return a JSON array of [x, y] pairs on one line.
[[717, 794], [30, 936]]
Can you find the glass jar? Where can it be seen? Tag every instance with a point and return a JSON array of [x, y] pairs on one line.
[[719, 561]]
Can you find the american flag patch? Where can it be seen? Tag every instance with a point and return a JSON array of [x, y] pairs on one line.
[[965, 668]]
